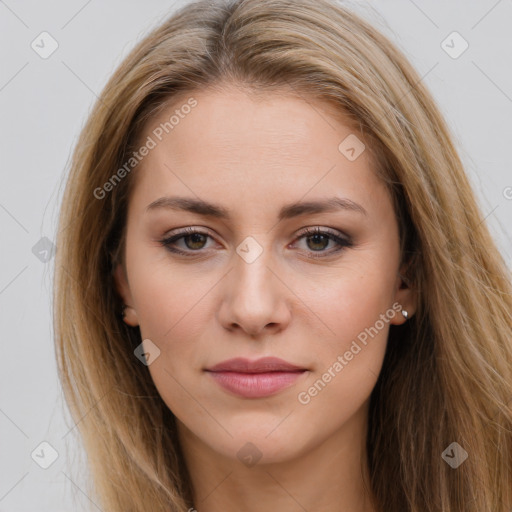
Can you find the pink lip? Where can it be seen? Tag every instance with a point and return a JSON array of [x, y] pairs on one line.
[[255, 379], [263, 365]]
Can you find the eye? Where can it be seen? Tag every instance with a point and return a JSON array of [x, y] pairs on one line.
[[318, 239], [193, 238]]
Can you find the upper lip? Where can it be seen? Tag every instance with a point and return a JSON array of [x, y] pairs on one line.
[[263, 365]]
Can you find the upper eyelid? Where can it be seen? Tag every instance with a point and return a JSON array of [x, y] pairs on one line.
[[308, 230], [340, 238], [185, 229]]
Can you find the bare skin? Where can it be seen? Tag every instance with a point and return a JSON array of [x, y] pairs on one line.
[[301, 299]]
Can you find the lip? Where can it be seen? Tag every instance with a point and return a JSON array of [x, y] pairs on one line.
[[263, 365], [255, 379]]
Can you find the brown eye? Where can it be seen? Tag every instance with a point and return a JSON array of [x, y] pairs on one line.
[[317, 240], [197, 241], [193, 240]]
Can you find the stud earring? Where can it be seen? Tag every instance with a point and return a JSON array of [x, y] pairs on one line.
[[123, 313], [405, 314]]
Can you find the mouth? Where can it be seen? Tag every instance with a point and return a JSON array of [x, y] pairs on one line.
[[255, 379]]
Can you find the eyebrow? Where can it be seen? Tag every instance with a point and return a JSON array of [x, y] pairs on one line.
[[288, 211]]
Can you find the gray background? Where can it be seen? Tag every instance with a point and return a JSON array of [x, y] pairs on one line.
[[44, 103]]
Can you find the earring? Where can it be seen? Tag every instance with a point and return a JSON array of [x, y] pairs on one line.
[[123, 313], [405, 314]]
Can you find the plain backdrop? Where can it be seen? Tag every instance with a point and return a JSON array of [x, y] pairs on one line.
[[44, 103]]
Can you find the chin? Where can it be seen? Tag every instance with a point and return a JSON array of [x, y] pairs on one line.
[[252, 446]]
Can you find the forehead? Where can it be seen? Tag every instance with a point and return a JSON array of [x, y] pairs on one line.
[[236, 144]]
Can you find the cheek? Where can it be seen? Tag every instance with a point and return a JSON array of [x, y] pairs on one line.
[[350, 359], [350, 299], [167, 308], [355, 309], [172, 312], [166, 296]]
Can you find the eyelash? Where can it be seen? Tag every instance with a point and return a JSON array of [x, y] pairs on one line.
[[343, 242]]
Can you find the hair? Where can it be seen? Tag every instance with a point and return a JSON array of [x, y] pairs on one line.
[[447, 372]]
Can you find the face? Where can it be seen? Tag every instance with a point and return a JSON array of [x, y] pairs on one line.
[[256, 275]]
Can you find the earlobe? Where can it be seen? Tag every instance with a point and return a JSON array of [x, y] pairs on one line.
[[129, 316], [405, 297], [128, 313]]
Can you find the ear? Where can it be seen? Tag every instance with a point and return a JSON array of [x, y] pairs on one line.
[[123, 288], [405, 295]]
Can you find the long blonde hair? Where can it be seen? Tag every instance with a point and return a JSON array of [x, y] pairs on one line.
[[447, 373]]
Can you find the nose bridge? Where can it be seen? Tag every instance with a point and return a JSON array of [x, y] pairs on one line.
[[251, 272], [254, 298]]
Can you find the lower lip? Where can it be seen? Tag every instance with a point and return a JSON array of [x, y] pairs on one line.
[[255, 385]]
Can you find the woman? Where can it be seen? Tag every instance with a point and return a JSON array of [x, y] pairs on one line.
[[274, 286]]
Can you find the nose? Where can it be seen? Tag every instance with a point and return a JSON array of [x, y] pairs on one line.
[[255, 298]]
